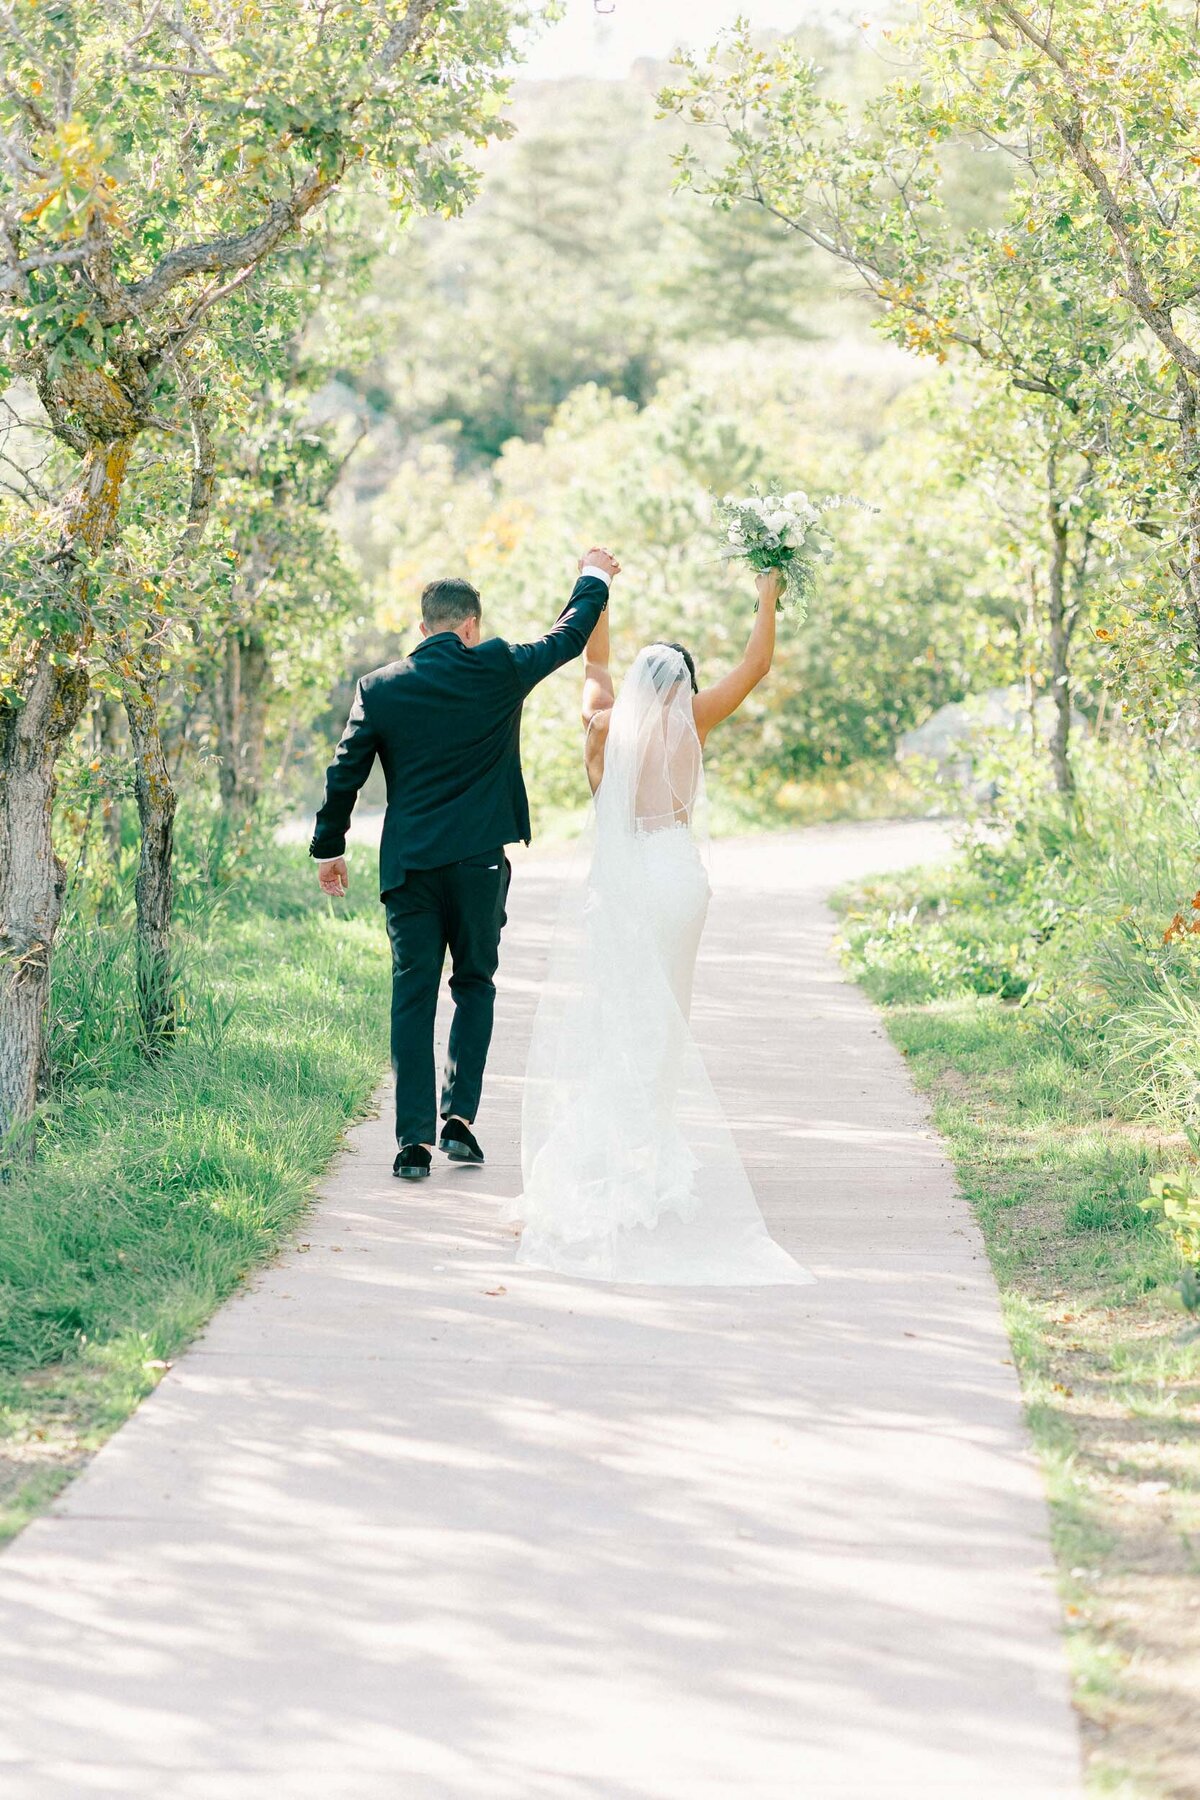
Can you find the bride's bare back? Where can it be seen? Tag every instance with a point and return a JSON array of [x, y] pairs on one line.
[[669, 777], [668, 783]]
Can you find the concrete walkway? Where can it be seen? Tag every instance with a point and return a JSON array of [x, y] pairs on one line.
[[410, 1525]]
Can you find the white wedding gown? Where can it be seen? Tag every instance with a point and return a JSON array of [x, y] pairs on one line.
[[630, 1170]]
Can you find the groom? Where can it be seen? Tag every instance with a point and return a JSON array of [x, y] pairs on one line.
[[445, 722]]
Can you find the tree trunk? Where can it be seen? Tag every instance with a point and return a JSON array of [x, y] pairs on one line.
[[1032, 636], [31, 888], [254, 719], [1189, 442], [108, 735], [53, 693], [1060, 652], [240, 706], [154, 888]]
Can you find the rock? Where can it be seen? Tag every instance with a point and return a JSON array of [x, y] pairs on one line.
[[951, 737]]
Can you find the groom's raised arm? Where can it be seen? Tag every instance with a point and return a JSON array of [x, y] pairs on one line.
[[344, 777], [571, 631]]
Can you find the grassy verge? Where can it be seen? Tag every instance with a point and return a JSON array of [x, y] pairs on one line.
[[160, 1186], [1055, 1159]]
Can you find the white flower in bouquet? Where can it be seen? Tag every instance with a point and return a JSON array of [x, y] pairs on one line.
[[781, 531]]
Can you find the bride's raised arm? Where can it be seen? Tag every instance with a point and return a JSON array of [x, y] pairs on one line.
[[712, 704], [597, 681]]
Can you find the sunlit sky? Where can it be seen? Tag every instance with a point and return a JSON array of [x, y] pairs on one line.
[[588, 43]]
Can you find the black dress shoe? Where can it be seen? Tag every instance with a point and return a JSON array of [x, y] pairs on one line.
[[413, 1163], [458, 1143]]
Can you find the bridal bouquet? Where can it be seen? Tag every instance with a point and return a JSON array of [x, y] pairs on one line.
[[781, 531]]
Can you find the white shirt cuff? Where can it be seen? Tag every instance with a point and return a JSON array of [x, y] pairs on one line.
[[595, 569]]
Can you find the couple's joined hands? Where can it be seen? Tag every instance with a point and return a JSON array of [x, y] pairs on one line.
[[603, 559]]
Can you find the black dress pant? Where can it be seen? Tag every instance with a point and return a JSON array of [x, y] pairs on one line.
[[459, 908]]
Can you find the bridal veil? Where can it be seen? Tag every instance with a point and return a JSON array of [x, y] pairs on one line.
[[631, 1173]]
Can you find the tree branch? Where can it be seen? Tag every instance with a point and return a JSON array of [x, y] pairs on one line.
[[23, 265], [406, 33], [236, 250], [179, 335], [326, 492], [239, 250], [1037, 384], [1157, 317], [204, 474], [30, 108], [19, 159], [1071, 131], [1038, 39]]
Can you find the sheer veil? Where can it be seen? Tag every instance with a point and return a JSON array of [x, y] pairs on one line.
[[630, 1170], [653, 769]]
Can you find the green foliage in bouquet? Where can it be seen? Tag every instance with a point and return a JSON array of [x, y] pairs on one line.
[[784, 532]]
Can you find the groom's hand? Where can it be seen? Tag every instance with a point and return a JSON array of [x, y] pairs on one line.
[[603, 559], [333, 876]]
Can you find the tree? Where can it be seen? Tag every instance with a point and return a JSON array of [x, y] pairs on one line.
[[159, 159], [260, 643], [867, 191], [1047, 529], [1112, 87], [290, 592]]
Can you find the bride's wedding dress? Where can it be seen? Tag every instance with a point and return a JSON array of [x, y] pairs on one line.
[[631, 1172]]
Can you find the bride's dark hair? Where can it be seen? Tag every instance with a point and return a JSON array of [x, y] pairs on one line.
[[661, 644]]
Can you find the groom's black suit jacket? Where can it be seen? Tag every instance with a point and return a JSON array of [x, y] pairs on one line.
[[445, 722]]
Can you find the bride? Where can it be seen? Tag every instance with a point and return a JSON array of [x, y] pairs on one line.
[[630, 1170]]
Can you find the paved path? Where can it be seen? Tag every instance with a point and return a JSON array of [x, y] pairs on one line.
[[409, 1525]]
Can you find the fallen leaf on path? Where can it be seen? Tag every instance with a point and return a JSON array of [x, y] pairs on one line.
[[491, 1292]]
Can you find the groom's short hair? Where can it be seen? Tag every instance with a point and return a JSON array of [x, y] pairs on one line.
[[449, 602]]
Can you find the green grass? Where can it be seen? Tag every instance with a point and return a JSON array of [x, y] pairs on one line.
[[160, 1186], [1054, 1153]]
